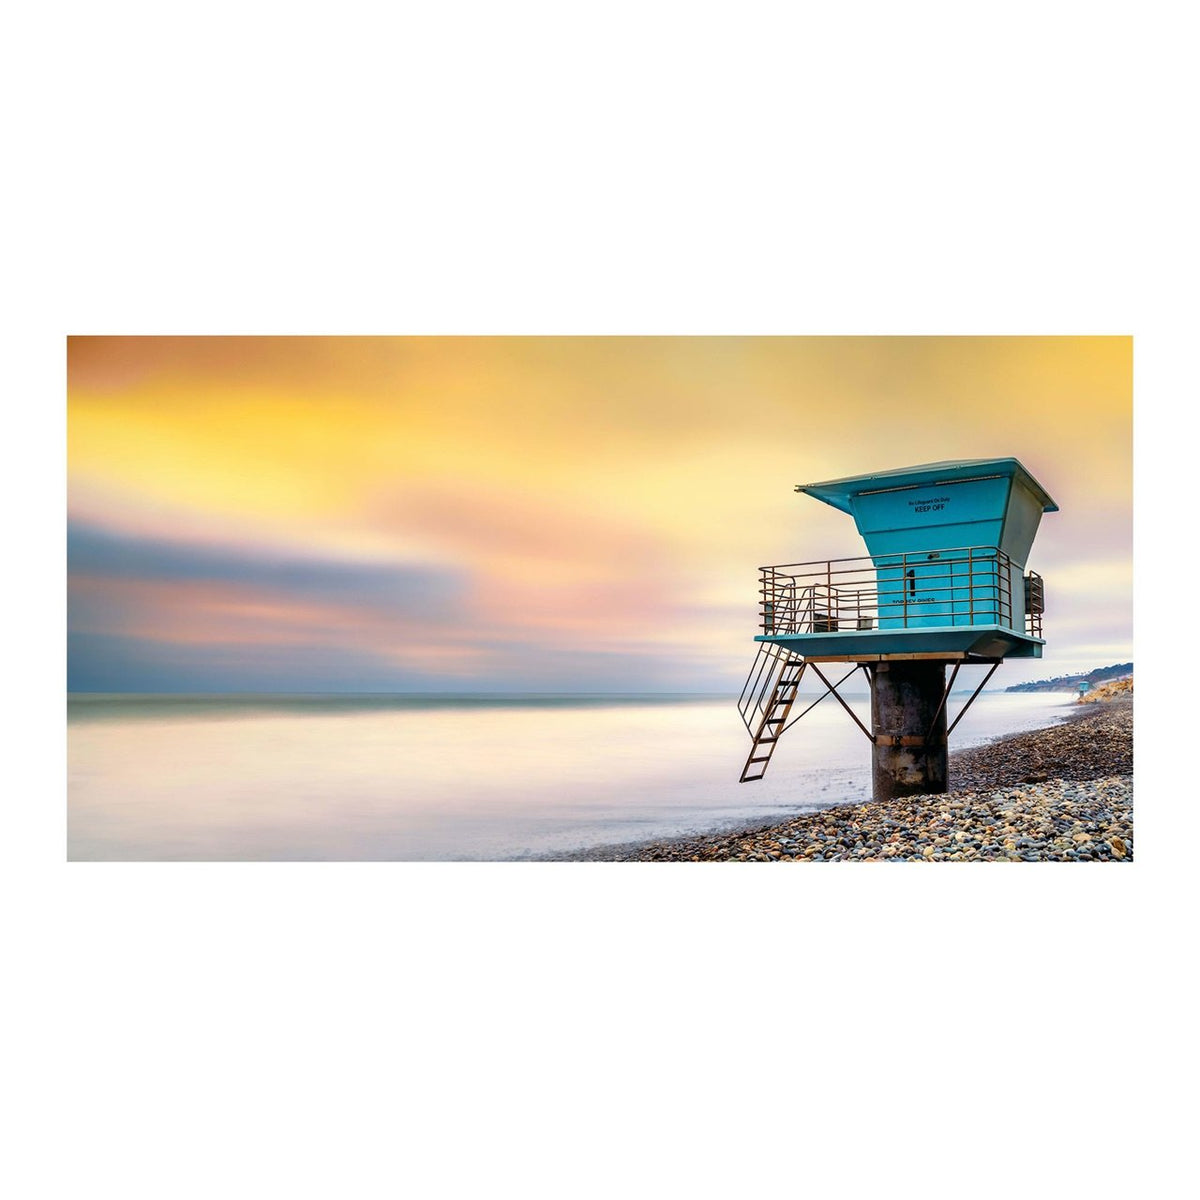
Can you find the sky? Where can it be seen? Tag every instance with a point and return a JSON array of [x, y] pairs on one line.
[[541, 514]]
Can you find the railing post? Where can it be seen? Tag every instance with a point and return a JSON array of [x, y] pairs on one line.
[[971, 584]]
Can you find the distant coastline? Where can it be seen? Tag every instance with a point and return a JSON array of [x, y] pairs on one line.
[[1070, 683]]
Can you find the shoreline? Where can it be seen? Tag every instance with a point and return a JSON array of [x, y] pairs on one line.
[[1061, 793]]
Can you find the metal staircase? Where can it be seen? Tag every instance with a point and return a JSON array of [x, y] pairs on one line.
[[766, 702]]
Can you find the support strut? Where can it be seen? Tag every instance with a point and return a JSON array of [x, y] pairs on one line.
[[829, 690], [838, 696], [963, 710]]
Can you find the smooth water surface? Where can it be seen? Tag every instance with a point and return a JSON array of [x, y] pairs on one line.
[[437, 777]]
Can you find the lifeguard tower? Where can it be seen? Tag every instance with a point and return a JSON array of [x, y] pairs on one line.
[[943, 584]]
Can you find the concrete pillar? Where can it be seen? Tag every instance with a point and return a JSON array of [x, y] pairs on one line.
[[904, 698]]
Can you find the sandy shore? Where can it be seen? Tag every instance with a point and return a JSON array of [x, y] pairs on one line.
[[1061, 794]]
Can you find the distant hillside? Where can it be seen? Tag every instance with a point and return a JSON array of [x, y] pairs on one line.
[[1070, 683], [1117, 689]]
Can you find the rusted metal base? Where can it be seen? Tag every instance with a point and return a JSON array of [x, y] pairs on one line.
[[908, 719]]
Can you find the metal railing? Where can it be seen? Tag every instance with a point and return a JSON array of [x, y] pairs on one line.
[[760, 683], [970, 585]]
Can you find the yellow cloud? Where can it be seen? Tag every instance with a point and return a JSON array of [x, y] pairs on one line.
[[595, 487]]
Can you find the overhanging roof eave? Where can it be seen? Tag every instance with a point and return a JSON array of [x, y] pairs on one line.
[[839, 492]]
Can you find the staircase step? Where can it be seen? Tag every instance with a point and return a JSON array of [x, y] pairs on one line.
[[749, 778], [764, 758]]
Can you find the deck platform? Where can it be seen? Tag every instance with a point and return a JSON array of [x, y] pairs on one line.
[[947, 642]]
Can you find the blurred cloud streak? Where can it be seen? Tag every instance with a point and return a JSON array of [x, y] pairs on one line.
[[558, 513]]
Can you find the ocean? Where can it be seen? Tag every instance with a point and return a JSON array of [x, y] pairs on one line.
[[434, 777]]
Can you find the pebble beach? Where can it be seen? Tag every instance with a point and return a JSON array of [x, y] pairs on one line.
[[1060, 794]]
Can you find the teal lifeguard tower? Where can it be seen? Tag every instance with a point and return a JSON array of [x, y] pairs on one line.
[[943, 584]]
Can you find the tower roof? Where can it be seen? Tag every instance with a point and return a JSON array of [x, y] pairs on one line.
[[838, 492]]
